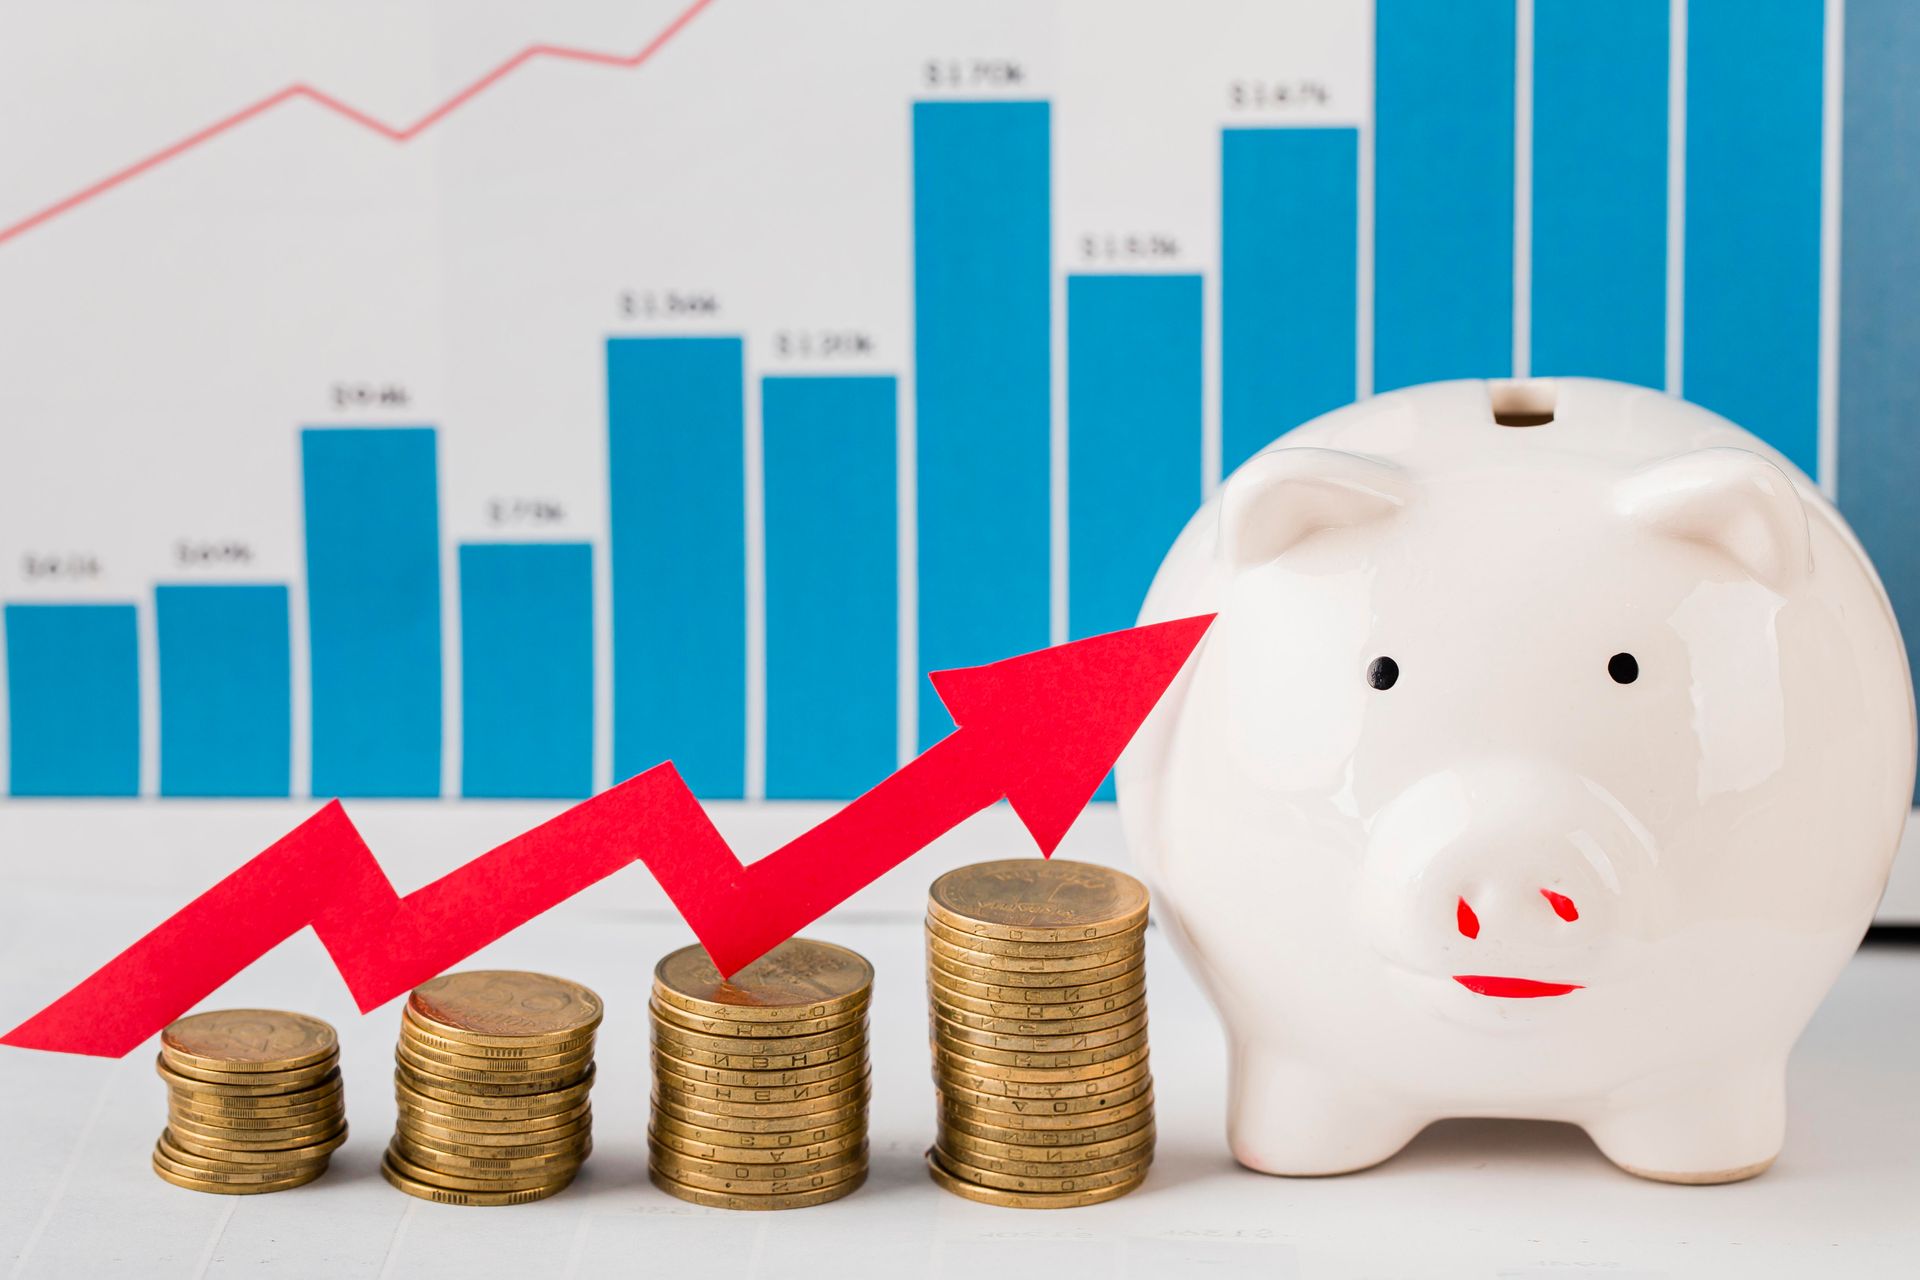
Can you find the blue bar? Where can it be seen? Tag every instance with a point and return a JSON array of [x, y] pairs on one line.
[[1600, 189], [982, 266], [1879, 449], [373, 609], [1133, 439], [675, 432], [1289, 235], [526, 670], [73, 700], [832, 585], [1751, 348], [1443, 191], [226, 690]]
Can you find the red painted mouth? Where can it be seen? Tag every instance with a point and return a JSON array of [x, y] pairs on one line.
[[1512, 988]]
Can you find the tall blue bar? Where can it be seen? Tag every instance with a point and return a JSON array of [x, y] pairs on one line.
[[1879, 449], [526, 669], [73, 700], [1133, 439], [1443, 191], [1600, 189], [373, 609], [982, 263], [226, 690], [676, 462], [1289, 235], [832, 522], [1751, 347]]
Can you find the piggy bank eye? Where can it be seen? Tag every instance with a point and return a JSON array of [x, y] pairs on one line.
[[1623, 668], [1382, 672]]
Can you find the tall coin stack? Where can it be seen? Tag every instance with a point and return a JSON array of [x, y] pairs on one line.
[[1036, 980], [253, 1101], [492, 1074], [760, 1083]]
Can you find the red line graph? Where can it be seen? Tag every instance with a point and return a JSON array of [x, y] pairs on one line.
[[346, 110]]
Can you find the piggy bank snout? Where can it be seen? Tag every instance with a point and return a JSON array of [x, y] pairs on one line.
[[1508, 870]]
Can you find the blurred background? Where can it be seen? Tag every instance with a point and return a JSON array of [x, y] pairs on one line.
[[457, 403]]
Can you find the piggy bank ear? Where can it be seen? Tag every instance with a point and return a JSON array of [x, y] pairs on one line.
[[1732, 500], [1282, 496]]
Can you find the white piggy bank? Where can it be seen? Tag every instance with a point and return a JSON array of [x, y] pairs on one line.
[[1546, 771]]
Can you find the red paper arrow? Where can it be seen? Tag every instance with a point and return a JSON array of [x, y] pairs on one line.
[[1041, 730]]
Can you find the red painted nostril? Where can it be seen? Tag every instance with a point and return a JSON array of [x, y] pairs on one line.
[[1469, 923], [1562, 905]]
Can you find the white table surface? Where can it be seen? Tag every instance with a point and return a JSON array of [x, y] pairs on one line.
[[1468, 1198]]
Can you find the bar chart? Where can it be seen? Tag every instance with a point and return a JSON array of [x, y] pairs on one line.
[[927, 378]]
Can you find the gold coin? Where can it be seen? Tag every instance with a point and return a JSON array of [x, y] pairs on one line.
[[840, 1132], [304, 1078], [955, 1120], [1124, 952], [992, 950], [505, 1007], [180, 1145], [1038, 900], [852, 1064], [468, 1093], [1068, 1040], [822, 1122], [1037, 1183], [970, 1012], [664, 1088], [166, 1158], [248, 1040], [505, 1068], [575, 1121], [1047, 1113], [297, 1179], [688, 1173], [707, 1026], [1058, 1094], [695, 1170], [420, 1034], [478, 1182], [819, 1091], [498, 1145], [1094, 1157], [1025, 1200], [942, 968], [207, 1111], [541, 1107], [271, 1085], [691, 1142], [1006, 989], [259, 1139], [450, 1195], [557, 1077], [1042, 1068], [798, 980], [727, 1200], [477, 1162], [691, 1042]]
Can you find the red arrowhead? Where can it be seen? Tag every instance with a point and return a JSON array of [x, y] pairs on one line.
[[1053, 722]]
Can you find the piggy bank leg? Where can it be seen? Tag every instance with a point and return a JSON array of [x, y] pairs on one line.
[[1716, 1126], [1289, 1118]]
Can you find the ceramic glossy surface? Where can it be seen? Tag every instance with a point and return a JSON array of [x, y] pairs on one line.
[[1538, 771]]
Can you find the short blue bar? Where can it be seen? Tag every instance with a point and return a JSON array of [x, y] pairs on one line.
[[226, 690], [1879, 449], [373, 609], [1289, 234], [1134, 406], [1751, 347], [73, 700], [1600, 189], [832, 522], [676, 461], [526, 670], [1443, 194], [982, 259]]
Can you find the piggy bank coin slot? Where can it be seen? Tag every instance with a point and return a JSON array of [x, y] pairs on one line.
[[1521, 404]]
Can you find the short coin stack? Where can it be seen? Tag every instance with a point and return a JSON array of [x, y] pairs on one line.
[[1036, 980], [253, 1101], [492, 1075], [760, 1084]]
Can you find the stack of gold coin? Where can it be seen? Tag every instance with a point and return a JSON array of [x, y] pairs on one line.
[[1036, 981], [760, 1083], [253, 1101], [492, 1074]]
